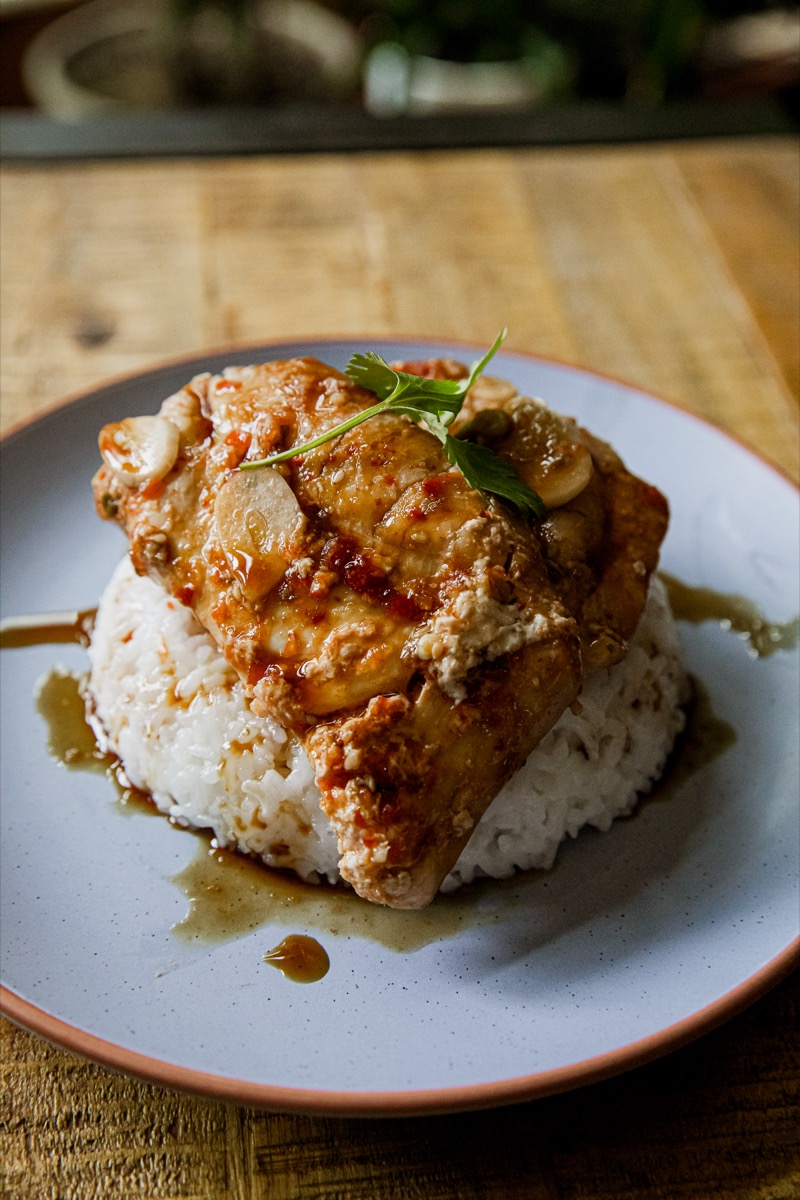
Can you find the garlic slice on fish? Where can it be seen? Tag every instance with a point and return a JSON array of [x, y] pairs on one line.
[[561, 481], [258, 523], [489, 390], [139, 448], [548, 452]]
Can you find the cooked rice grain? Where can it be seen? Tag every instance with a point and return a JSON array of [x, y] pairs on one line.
[[167, 703]]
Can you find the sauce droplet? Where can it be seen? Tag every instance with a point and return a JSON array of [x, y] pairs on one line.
[[300, 958], [72, 742], [704, 738]]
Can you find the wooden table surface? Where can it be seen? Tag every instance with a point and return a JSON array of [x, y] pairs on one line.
[[674, 267]]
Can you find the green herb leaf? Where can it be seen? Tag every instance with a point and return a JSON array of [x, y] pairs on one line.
[[434, 403], [488, 472]]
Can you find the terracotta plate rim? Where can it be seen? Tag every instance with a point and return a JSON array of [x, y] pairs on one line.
[[408, 1102], [315, 1102]]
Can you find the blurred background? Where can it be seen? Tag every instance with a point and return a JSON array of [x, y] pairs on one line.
[[71, 60]]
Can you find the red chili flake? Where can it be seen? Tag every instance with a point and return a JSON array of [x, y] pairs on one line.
[[228, 385], [389, 480], [153, 489], [257, 671], [434, 487], [294, 586], [360, 573], [186, 595], [405, 608], [239, 438], [416, 513], [239, 442]]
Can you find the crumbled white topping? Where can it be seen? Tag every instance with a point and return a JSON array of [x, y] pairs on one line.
[[349, 641], [352, 758], [158, 520], [474, 628]]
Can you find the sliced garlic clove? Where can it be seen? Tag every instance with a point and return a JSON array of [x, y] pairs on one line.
[[488, 390], [139, 448], [562, 480], [258, 522], [548, 452]]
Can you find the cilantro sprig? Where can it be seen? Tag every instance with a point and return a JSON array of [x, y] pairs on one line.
[[435, 403]]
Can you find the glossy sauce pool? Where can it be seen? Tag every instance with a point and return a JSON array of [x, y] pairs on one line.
[[740, 616], [230, 894]]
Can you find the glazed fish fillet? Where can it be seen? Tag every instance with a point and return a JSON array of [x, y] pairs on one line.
[[419, 639]]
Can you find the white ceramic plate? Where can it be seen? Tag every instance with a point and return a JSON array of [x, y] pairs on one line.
[[637, 941]]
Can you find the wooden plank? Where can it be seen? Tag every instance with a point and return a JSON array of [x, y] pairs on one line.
[[457, 253], [102, 274], [648, 296], [671, 267], [286, 253], [714, 1119], [749, 197], [594, 256]]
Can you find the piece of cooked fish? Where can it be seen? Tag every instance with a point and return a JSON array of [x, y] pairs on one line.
[[419, 639]]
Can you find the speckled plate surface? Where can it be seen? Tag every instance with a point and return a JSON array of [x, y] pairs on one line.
[[637, 941]]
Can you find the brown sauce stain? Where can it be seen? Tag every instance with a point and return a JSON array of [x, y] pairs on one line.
[[71, 741], [300, 958], [741, 616], [704, 738], [230, 895], [48, 629]]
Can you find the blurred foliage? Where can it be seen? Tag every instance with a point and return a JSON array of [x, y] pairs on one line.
[[638, 50]]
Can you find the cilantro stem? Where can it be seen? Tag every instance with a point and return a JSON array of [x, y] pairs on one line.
[[432, 402], [296, 451]]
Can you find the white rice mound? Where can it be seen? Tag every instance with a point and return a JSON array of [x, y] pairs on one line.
[[166, 702]]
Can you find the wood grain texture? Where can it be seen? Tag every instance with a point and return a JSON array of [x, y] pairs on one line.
[[647, 264], [714, 1121], [750, 203], [673, 267]]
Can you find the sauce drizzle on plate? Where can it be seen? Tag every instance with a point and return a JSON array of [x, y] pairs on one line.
[[230, 894], [42, 629], [740, 616]]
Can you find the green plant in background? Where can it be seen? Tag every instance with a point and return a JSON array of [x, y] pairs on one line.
[[671, 33], [485, 32], [639, 51], [461, 30]]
